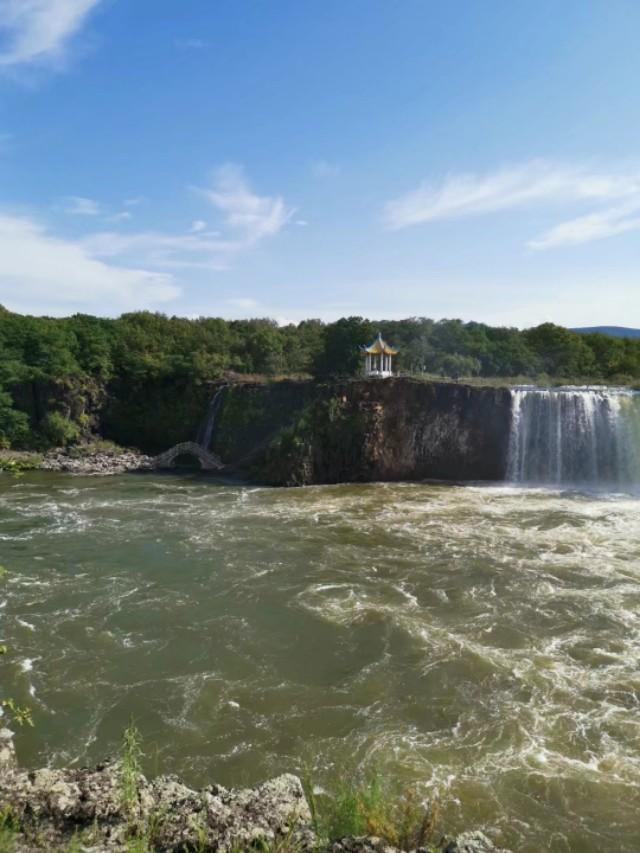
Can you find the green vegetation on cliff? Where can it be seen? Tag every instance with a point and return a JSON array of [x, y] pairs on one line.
[[145, 378], [328, 428]]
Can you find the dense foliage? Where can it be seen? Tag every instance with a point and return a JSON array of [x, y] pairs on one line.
[[55, 373]]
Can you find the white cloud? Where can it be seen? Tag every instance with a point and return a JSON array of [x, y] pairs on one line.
[[190, 44], [117, 270], [122, 216], [39, 30], [40, 272], [132, 202], [248, 218], [243, 303], [593, 226], [164, 250], [79, 206], [251, 216], [325, 169], [534, 182]]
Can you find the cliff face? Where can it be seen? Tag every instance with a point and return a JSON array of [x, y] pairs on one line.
[[367, 430], [156, 416], [303, 432], [252, 415]]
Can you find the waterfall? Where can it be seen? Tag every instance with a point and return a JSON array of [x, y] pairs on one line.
[[205, 432], [575, 436]]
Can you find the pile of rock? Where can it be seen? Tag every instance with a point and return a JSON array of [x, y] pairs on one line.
[[467, 842], [58, 810], [53, 807], [99, 462]]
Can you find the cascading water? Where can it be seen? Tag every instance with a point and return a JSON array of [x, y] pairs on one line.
[[575, 435], [205, 433]]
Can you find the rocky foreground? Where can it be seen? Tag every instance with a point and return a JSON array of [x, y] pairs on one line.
[[88, 810]]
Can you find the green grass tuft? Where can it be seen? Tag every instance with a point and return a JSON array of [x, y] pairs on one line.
[[9, 829], [370, 807], [131, 755]]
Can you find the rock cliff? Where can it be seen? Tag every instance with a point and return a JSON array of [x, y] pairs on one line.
[[365, 430]]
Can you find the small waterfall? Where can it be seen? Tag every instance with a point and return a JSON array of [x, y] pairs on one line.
[[575, 436], [205, 432]]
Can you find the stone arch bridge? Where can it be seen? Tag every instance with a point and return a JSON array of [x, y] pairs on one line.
[[208, 461]]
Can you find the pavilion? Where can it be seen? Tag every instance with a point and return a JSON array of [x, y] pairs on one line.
[[378, 358]]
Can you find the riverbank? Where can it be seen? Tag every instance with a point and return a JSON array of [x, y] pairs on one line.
[[97, 458], [113, 807]]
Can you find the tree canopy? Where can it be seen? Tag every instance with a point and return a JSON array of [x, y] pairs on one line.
[[144, 347]]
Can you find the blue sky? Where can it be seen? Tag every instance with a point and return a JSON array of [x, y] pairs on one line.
[[292, 158]]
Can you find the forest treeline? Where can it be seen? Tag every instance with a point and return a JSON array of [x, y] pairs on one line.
[[143, 347]]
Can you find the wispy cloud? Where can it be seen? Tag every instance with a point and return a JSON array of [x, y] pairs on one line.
[[249, 216], [120, 270], [325, 169], [244, 303], [80, 206], [190, 44], [162, 250], [34, 31], [121, 216], [534, 183], [592, 226], [37, 268], [530, 183]]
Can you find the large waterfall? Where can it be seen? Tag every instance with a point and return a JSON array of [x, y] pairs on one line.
[[575, 436]]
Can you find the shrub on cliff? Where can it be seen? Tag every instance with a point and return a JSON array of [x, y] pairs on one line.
[[60, 431], [14, 425]]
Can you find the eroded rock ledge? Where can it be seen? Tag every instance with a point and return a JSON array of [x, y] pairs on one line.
[[84, 810]]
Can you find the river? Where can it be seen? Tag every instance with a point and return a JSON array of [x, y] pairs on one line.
[[483, 641]]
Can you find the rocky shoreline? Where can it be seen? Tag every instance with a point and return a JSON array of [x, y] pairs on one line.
[[81, 459], [85, 810], [98, 462]]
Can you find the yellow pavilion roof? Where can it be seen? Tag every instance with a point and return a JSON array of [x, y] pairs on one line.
[[379, 347]]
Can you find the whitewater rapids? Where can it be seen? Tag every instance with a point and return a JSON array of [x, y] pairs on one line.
[[483, 641]]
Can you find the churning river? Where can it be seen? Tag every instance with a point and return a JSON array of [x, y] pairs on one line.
[[484, 641]]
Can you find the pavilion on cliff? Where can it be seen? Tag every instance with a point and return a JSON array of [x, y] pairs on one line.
[[378, 358]]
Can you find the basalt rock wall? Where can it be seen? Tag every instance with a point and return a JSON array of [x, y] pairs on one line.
[[365, 430]]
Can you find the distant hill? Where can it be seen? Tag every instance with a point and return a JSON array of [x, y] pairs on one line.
[[616, 331]]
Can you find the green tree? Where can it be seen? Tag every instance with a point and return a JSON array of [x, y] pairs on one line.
[[561, 352], [14, 425], [341, 355], [456, 365]]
